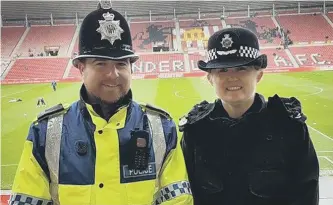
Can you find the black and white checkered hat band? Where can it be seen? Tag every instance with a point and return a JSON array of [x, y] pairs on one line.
[[244, 51], [211, 54], [249, 52]]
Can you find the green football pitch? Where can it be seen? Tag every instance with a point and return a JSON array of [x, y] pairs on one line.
[[177, 96]]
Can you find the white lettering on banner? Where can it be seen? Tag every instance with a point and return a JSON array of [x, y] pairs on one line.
[[315, 59], [150, 67], [164, 66], [194, 66], [279, 59], [301, 58], [136, 68], [178, 65], [170, 75]]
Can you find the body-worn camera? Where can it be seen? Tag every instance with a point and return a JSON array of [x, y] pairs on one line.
[[139, 150]]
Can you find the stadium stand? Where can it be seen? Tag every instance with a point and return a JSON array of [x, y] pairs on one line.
[[145, 36], [161, 35], [264, 27], [330, 16], [74, 73], [313, 55], [38, 68], [76, 47], [194, 57], [10, 36], [195, 33], [277, 58], [315, 26], [41, 37]]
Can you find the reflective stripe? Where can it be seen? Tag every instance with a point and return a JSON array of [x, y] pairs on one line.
[[172, 191], [52, 153], [158, 138], [18, 199]]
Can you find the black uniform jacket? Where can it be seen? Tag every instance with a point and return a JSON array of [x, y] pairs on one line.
[[264, 158]]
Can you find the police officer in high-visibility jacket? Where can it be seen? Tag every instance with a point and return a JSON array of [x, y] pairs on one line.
[[104, 149]]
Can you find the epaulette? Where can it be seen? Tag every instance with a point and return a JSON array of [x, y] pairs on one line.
[[52, 111], [287, 107], [155, 109], [198, 112]]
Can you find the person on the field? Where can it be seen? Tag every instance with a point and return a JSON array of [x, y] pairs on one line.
[[105, 149], [242, 149], [54, 85], [41, 102]]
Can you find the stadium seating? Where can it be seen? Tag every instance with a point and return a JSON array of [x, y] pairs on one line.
[[277, 58], [194, 57], [74, 73], [330, 16], [258, 25], [52, 36], [10, 36], [76, 46], [194, 36], [313, 55], [315, 27], [38, 68], [195, 33], [146, 35]]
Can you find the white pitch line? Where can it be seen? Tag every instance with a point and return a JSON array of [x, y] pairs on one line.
[[8, 165], [320, 90], [18, 92], [324, 151], [177, 94], [180, 96], [315, 93], [330, 138], [328, 159]]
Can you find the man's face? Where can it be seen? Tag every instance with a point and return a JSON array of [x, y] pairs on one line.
[[107, 79], [237, 85]]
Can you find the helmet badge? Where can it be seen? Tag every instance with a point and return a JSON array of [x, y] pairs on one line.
[[109, 29]]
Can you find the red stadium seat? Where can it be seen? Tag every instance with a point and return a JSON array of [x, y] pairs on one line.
[[52, 36], [258, 25], [313, 55], [306, 28], [145, 35], [38, 68], [10, 36]]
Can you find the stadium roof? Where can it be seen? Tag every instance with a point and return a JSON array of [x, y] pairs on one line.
[[17, 10]]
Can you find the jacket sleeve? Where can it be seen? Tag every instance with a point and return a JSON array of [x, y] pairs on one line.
[[306, 171], [174, 187], [31, 183], [188, 151]]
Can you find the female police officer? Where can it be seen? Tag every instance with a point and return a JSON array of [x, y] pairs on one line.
[[240, 149]]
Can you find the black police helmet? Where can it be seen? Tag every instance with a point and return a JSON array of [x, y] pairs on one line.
[[105, 33], [231, 48]]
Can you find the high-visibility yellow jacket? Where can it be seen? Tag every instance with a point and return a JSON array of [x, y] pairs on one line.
[[72, 156]]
